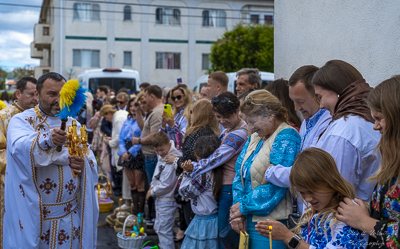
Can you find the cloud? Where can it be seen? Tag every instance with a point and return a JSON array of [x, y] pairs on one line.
[[16, 32], [21, 21]]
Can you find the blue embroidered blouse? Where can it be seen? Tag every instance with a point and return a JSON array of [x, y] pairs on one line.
[[322, 235], [178, 129], [129, 128], [263, 199]]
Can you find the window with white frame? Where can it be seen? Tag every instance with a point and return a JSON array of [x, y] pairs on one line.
[[269, 19], [127, 58], [205, 62], [167, 60], [86, 58], [87, 12], [168, 16], [127, 13], [214, 18]]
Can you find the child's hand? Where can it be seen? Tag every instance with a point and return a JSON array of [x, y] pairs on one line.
[[279, 231], [170, 159], [148, 195], [187, 166]]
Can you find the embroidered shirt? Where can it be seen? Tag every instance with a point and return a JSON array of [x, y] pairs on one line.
[[385, 207], [225, 155], [178, 130], [264, 198], [322, 235]]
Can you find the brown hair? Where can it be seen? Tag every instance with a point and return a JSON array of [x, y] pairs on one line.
[[160, 138], [203, 115], [154, 90], [336, 75], [263, 103], [220, 76], [305, 75], [385, 98], [314, 170], [280, 89]]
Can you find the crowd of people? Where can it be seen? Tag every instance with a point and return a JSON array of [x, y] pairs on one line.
[[225, 163]]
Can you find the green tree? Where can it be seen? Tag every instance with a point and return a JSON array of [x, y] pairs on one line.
[[244, 46], [3, 76], [18, 73]]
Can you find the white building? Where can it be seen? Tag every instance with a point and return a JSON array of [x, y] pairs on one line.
[[365, 34], [163, 40]]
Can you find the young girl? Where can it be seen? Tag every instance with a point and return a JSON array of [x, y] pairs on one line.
[[202, 190], [315, 176]]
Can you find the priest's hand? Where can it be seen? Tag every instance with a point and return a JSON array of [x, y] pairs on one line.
[[76, 163], [58, 137]]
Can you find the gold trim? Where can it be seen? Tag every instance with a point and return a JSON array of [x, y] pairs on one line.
[[54, 235], [61, 217], [72, 229], [34, 175], [83, 206], [60, 183]]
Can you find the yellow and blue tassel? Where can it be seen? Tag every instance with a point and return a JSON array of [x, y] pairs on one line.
[[72, 98]]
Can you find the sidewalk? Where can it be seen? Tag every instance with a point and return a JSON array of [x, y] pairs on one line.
[[107, 239]]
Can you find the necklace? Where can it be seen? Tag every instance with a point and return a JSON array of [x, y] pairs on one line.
[[233, 128]]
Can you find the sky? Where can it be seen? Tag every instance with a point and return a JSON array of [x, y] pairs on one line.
[[16, 32]]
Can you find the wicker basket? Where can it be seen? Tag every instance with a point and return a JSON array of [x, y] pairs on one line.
[[104, 186], [128, 242]]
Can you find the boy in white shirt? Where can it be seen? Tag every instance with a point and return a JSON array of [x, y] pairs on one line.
[[162, 187]]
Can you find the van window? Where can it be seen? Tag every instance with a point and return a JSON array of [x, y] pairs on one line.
[[113, 83]]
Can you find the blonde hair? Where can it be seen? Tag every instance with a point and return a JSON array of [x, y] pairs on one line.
[[203, 115], [385, 99], [187, 96], [106, 109], [315, 169], [263, 103]]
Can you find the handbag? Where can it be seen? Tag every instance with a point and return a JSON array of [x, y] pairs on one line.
[[129, 163], [293, 218], [244, 240]]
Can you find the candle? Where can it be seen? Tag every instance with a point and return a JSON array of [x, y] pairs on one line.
[[98, 191], [120, 203], [270, 237]]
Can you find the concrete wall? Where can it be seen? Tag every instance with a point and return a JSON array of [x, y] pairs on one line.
[[364, 33]]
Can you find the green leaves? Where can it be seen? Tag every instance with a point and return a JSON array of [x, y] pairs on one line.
[[244, 46]]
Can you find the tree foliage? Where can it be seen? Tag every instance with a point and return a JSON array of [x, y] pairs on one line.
[[244, 46], [18, 73], [3, 76]]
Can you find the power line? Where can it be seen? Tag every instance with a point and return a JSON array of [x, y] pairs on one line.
[[132, 12]]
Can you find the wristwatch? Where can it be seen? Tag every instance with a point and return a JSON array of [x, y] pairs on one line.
[[294, 242], [140, 141]]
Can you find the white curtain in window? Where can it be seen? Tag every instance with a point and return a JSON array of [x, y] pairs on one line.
[[86, 58]]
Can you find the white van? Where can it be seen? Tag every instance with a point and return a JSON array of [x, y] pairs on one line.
[[115, 78], [266, 78]]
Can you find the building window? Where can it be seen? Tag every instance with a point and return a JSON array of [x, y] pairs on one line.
[[205, 62], [168, 16], [269, 19], [86, 58], [214, 18], [255, 19], [166, 60], [127, 13], [86, 12], [46, 30], [127, 58]]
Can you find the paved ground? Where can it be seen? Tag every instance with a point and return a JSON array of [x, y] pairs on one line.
[[107, 239]]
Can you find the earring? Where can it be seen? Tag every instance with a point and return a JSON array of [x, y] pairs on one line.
[[338, 96]]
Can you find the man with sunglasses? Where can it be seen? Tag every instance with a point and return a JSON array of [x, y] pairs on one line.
[[122, 100]]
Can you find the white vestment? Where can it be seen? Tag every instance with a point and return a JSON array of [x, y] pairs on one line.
[[45, 205]]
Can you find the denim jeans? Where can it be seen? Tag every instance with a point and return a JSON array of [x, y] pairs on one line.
[[231, 238], [151, 163]]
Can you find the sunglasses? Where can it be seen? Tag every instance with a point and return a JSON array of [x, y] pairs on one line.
[[216, 101], [250, 101], [121, 102], [178, 97]]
